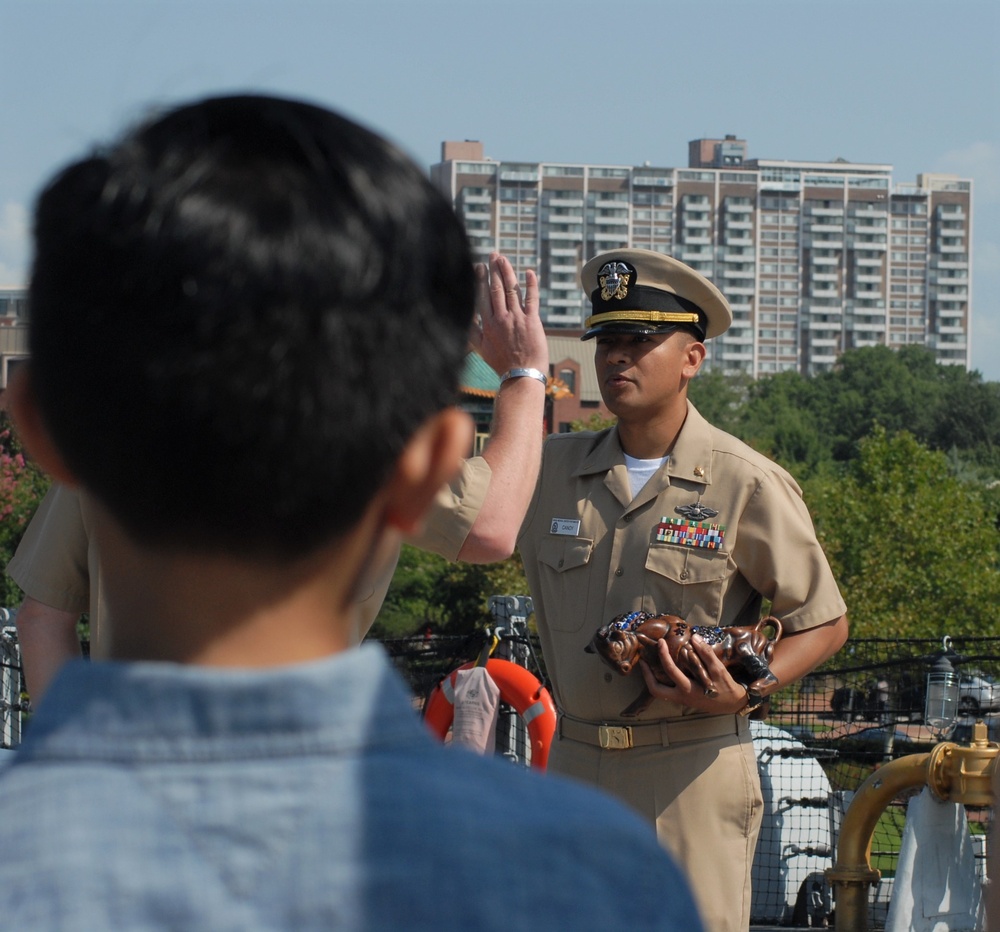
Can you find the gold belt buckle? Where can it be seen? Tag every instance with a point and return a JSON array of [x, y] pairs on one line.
[[614, 737]]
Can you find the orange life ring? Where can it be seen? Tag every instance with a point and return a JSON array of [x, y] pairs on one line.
[[519, 688]]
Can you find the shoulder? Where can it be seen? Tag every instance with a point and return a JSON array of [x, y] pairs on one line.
[[731, 453], [576, 446]]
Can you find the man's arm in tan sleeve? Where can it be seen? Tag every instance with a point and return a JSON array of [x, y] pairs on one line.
[[51, 567], [47, 638]]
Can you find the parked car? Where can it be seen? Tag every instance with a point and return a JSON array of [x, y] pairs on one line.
[[977, 693]]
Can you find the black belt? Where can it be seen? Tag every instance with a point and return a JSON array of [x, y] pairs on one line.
[[665, 733]]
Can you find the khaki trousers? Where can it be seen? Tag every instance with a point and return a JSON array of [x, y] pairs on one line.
[[704, 798]]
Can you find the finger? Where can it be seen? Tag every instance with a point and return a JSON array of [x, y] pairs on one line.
[[497, 303], [670, 667], [507, 279], [482, 274], [713, 664], [531, 301], [481, 306], [655, 687]]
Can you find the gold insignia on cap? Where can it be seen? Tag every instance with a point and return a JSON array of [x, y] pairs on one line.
[[614, 279]]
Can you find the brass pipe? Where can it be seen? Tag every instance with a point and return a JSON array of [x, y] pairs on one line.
[[953, 772]]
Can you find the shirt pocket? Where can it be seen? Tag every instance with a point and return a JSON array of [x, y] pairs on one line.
[[687, 581], [564, 580]]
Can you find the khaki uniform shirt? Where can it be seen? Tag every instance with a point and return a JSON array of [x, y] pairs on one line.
[[591, 552], [57, 562]]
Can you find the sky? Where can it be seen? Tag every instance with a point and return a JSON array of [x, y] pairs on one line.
[[910, 83]]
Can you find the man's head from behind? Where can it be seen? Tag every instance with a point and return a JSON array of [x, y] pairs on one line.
[[241, 313]]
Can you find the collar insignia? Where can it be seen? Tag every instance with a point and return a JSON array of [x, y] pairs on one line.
[[614, 279], [696, 512]]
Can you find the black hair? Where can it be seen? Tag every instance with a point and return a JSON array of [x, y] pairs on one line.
[[239, 315]]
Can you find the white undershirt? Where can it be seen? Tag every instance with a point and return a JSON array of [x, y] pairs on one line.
[[641, 471]]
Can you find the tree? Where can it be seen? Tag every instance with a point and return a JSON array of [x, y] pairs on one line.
[[781, 420], [452, 598], [913, 548], [719, 397]]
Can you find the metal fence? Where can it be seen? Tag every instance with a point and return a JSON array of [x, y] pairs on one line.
[[13, 701]]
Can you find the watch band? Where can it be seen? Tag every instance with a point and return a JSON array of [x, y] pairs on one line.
[[519, 373], [753, 702]]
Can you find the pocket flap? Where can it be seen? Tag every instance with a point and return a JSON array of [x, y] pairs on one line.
[[566, 553]]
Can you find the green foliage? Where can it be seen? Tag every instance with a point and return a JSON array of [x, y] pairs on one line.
[[914, 549], [451, 598], [22, 485], [808, 423], [781, 420], [594, 422], [719, 397]]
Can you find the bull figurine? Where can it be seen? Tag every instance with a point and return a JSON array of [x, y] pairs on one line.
[[746, 651]]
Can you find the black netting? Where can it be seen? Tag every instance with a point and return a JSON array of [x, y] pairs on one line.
[[824, 737]]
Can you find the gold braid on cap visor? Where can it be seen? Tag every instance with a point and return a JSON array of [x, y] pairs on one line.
[[643, 317]]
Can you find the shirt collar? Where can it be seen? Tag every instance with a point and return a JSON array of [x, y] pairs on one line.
[[690, 459]]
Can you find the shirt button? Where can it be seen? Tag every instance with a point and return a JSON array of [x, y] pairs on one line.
[[684, 574], [619, 572], [628, 518], [561, 562], [607, 677]]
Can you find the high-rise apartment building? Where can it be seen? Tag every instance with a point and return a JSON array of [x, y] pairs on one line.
[[815, 257]]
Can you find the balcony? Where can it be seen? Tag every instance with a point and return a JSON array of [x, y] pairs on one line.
[[818, 242], [937, 279]]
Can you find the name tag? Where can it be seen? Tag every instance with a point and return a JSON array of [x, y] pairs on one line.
[[570, 527]]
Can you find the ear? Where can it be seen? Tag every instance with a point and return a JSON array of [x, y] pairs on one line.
[[694, 356], [431, 458], [31, 428]]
